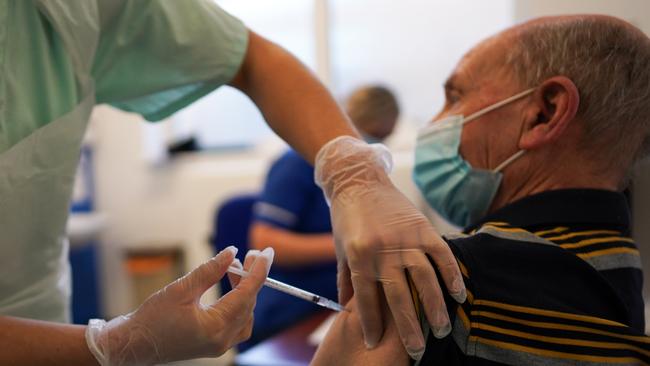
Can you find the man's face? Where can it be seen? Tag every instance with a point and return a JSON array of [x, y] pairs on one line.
[[479, 81]]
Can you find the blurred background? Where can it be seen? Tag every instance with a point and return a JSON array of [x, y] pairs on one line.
[[146, 194]]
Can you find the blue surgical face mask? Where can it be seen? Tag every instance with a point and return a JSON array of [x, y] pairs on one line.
[[371, 139], [459, 193]]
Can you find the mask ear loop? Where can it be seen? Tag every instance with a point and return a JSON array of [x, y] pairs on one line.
[[509, 161], [498, 105]]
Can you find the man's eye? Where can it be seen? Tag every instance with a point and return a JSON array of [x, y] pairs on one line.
[[451, 95], [451, 100]]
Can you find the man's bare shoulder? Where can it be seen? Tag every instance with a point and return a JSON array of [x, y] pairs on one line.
[[344, 343]]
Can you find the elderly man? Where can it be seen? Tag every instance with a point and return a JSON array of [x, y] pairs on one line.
[[560, 112]]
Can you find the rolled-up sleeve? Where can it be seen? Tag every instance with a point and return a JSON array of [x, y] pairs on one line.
[[157, 56]]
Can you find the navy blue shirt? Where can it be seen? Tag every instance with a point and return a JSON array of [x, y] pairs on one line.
[[292, 201]]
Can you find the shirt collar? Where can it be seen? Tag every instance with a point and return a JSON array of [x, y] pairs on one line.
[[566, 206]]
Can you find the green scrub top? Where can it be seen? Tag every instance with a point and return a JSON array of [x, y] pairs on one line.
[[59, 58]]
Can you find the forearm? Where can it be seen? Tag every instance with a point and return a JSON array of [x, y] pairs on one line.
[[32, 342], [293, 249], [294, 103]]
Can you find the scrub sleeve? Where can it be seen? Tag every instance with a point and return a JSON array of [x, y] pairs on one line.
[[152, 57], [156, 57]]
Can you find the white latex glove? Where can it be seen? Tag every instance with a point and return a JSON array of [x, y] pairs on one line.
[[173, 325], [379, 237]]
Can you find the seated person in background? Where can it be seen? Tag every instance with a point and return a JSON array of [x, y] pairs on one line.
[[553, 276], [292, 217]]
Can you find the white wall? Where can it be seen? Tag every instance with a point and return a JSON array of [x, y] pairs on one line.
[[411, 45], [634, 11]]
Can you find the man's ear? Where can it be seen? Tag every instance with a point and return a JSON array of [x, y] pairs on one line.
[[556, 103]]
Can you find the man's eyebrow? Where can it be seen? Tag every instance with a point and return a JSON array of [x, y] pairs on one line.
[[451, 83]]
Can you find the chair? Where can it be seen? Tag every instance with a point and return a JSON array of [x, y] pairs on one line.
[[232, 221]]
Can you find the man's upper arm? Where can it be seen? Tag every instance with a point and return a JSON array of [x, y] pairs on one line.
[[157, 56], [344, 345]]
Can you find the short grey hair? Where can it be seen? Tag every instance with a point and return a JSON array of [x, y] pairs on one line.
[[609, 62]]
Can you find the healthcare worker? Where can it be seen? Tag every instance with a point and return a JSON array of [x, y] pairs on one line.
[[59, 58]]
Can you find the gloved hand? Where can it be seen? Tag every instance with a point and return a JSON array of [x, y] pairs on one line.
[[173, 325], [379, 237]]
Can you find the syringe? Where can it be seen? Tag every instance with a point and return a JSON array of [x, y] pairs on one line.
[[291, 290]]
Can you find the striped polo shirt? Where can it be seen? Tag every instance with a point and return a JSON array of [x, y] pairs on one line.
[[552, 279]]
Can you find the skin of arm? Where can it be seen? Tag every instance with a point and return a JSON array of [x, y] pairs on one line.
[[293, 249], [289, 95], [344, 345], [33, 342]]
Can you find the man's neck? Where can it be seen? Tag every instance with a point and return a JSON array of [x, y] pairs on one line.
[[514, 188]]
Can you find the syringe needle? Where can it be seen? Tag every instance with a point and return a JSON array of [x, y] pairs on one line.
[[327, 303], [294, 291]]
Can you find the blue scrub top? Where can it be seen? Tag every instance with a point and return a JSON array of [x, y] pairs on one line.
[[292, 201]]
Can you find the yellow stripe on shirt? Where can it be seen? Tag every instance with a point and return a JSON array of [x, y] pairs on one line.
[[584, 233], [505, 230], [559, 340], [598, 253], [470, 297], [463, 269], [549, 313], [555, 354], [584, 243], [559, 326], [497, 223], [559, 229], [463, 317]]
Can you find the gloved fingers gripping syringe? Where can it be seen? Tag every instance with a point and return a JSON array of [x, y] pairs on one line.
[[291, 290]]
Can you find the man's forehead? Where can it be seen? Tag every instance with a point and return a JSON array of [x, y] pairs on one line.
[[481, 62]]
